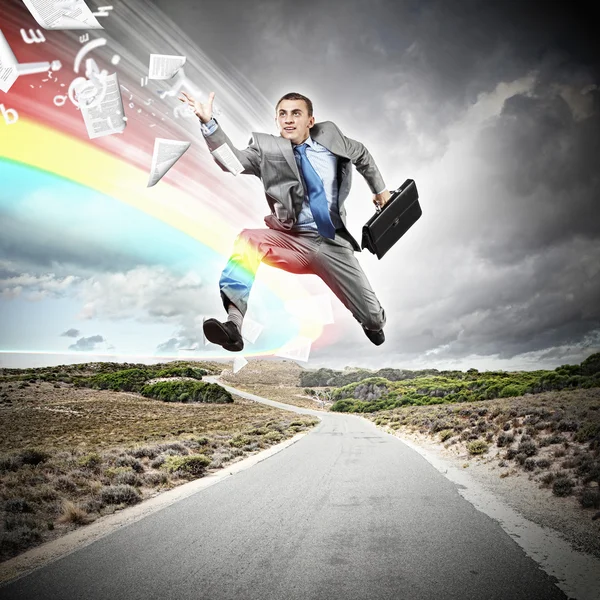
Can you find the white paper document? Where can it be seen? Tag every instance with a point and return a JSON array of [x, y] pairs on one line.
[[251, 330], [296, 349], [164, 66], [315, 308], [107, 118], [60, 14], [239, 362], [224, 154], [8, 65], [166, 154]]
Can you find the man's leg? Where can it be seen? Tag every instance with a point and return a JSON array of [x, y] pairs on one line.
[[285, 251], [337, 266]]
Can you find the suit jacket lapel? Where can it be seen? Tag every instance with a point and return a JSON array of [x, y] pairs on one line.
[[288, 153]]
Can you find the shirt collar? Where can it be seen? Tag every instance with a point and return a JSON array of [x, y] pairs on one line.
[[309, 142]]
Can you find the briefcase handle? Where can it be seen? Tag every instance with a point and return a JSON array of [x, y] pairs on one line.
[[378, 208]]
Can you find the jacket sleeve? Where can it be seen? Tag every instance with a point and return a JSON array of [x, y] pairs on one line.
[[249, 157], [364, 163]]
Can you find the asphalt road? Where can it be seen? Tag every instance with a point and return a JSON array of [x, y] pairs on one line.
[[348, 512]]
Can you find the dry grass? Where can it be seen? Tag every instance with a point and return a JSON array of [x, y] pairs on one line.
[[554, 436], [69, 455]]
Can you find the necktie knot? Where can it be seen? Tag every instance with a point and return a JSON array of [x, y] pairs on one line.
[[301, 148]]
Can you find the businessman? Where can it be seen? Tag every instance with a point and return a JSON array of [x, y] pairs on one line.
[[306, 172]]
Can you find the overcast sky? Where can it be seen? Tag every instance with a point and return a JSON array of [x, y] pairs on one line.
[[494, 109]]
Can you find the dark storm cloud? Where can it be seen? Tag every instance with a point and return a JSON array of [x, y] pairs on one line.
[[70, 333], [87, 344], [512, 241], [547, 164], [387, 60]]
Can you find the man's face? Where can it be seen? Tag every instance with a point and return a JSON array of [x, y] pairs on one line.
[[293, 120]]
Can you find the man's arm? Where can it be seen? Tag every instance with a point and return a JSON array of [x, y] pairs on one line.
[[365, 165], [216, 137]]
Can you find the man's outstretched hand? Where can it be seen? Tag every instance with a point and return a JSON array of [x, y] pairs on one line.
[[202, 110], [381, 199]]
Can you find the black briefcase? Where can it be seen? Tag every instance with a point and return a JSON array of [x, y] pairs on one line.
[[392, 221]]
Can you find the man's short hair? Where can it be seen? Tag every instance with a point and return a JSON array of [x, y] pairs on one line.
[[296, 96]]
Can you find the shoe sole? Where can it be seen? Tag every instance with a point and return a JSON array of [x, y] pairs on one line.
[[214, 332]]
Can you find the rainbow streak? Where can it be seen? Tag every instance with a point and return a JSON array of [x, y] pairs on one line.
[[45, 148]]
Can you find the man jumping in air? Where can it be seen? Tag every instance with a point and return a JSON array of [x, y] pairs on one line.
[[306, 173]]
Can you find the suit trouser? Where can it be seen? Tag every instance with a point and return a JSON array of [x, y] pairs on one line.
[[302, 253]]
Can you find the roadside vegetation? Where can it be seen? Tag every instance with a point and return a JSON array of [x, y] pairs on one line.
[[361, 391], [553, 436], [81, 441]]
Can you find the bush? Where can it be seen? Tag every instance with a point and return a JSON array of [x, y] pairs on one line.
[[590, 498], [562, 486], [273, 436], [445, 434], [505, 439], [186, 391], [126, 380], [527, 447], [194, 465], [127, 478], [477, 447], [119, 494], [90, 461], [511, 390], [529, 464], [548, 478], [588, 432]]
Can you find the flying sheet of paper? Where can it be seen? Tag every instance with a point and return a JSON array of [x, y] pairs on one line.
[[315, 308], [164, 66], [224, 154], [107, 118], [166, 154], [8, 65], [296, 349], [239, 362], [54, 14], [251, 330]]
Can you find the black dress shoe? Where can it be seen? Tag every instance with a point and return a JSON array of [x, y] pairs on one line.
[[377, 337], [224, 334]]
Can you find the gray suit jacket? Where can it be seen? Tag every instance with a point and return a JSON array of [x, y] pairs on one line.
[[271, 158]]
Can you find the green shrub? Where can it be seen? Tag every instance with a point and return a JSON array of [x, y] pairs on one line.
[[90, 461], [187, 391], [194, 465], [181, 372], [273, 436], [446, 434], [511, 390], [127, 380], [477, 447]]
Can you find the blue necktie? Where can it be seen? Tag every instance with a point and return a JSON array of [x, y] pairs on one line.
[[316, 195]]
